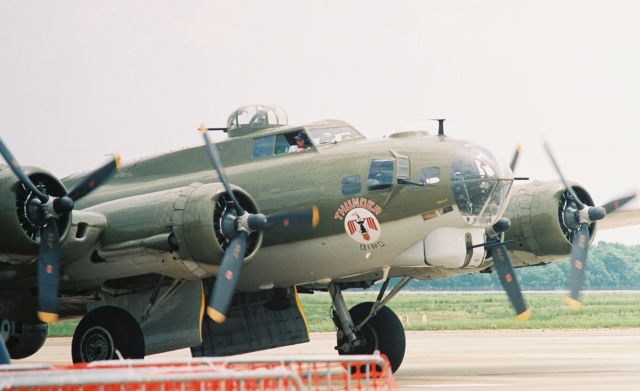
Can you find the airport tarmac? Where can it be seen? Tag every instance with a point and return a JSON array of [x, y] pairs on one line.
[[481, 360]]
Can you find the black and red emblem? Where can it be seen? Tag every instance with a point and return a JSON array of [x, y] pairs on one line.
[[362, 226]]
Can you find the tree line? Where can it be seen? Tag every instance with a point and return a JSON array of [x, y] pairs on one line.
[[610, 266]]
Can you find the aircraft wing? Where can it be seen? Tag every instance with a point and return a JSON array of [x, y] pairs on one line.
[[623, 218], [626, 216]]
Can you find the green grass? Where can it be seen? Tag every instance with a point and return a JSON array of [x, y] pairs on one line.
[[64, 328], [459, 311], [431, 311]]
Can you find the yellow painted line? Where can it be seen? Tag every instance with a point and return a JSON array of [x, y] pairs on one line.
[[316, 218], [201, 317], [301, 309]]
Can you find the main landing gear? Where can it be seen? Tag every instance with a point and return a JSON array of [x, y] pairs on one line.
[[22, 339], [107, 333], [370, 326]]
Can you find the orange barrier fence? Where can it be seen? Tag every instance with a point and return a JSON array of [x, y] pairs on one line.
[[362, 372]]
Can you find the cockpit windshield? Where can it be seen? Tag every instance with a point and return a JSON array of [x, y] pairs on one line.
[[333, 135], [480, 184]]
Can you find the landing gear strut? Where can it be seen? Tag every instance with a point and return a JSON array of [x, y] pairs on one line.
[[370, 326]]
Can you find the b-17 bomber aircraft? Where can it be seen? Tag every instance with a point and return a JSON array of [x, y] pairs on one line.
[[209, 247]]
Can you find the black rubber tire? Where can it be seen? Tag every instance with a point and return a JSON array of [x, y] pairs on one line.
[[30, 339], [103, 331], [383, 332]]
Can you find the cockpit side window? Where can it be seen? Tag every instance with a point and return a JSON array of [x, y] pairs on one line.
[[296, 141], [263, 146], [380, 175], [333, 135], [430, 175], [282, 144]]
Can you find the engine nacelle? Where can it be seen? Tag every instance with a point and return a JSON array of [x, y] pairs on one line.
[[539, 221], [197, 222], [186, 221], [18, 235]]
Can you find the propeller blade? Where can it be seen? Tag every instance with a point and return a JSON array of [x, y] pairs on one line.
[[618, 203], [294, 220], [514, 159], [49, 271], [227, 279], [15, 167], [562, 178], [579, 249], [503, 266], [217, 164], [95, 179]]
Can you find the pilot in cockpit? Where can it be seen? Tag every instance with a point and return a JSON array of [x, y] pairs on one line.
[[300, 144]]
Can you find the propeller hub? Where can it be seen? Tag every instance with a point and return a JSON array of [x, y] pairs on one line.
[[257, 221], [596, 213], [63, 205], [502, 225], [250, 222]]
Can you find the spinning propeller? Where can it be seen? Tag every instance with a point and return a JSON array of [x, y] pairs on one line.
[[44, 211], [502, 262], [578, 217], [237, 227], [504, 268]]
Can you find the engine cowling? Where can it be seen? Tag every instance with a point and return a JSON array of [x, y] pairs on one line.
[[198, 227], [540, 222], [18, 234], [186, 220]]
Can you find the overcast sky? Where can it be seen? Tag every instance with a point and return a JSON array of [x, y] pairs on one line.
[[81, 79]]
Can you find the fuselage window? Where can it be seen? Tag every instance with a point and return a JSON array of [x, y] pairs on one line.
[[263, 146], [380, 175], [351, 185], [430, 175]]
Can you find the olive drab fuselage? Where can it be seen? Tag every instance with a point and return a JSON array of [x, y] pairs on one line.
[[335, 177]]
